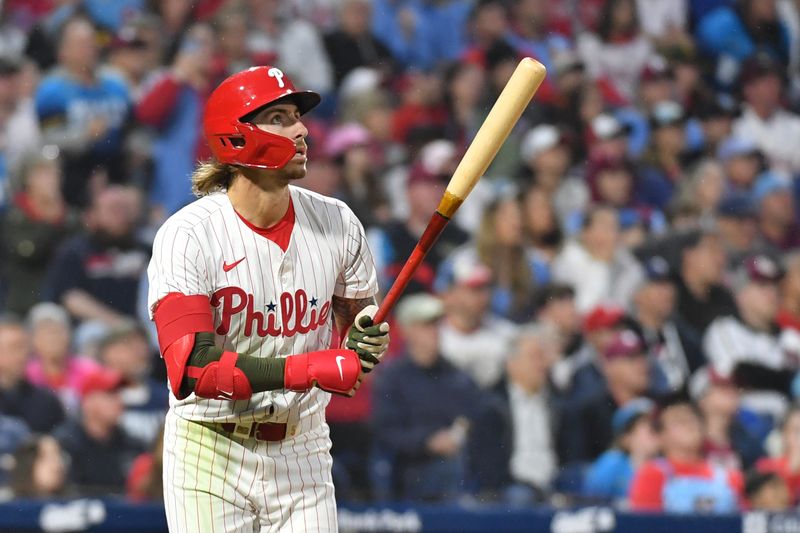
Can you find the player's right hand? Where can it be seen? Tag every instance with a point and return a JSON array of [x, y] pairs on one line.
[[337, 371]]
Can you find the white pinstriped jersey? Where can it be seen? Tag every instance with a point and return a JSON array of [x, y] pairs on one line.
[[266, 302]]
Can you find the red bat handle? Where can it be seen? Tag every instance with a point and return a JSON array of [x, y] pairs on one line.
[[435, 226]]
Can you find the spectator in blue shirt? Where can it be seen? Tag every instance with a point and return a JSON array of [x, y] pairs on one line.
[[83, 111], [635, 441]]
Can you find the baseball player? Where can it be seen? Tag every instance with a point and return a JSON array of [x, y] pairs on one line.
[[244, 286]]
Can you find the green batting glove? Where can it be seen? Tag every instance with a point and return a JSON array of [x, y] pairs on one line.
[[370, 341]]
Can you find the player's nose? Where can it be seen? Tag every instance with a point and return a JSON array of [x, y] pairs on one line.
[[299, 130]]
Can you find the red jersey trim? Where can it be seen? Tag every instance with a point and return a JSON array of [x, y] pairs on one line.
[[281, 232]]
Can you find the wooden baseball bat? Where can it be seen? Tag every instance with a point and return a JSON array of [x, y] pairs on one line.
[[492, 134]]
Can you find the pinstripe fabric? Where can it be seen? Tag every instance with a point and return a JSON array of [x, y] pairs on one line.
[[273, 303]]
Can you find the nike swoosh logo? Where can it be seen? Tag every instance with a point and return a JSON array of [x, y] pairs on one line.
[[339, 359], [226, 267]]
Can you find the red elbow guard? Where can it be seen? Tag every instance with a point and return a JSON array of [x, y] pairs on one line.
[[178, 317], [334, 370]]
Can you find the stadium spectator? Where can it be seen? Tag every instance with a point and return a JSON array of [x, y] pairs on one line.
[[555, 309], [533, 413], [625, 375], [531, 34], [128, 58], [701, 294], [653, 306], [736, 221], [488, 24], [764, 120], [100, 451], [789, 315], [729, 442], [351, 44], [19, 126], [274, 36], [767, 491], [126, 350], [83, 111], [777, 217], [745, 344], [53, 366], [665, 161], [635, 441], [32, 229], [715, 116], [463, 85], [40, 470], [393, 242], [732, 34], [683, 481], [422, 406], [473, 339], [742, 162], [596, 265], [144, 483], [578, 373], [38, 408], [96, 274], [540, 224], [172, 106], [787, 464], [617, 53], [517, 270], [349, 146]]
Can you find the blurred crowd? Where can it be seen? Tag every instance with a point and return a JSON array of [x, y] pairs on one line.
[[612, 316]]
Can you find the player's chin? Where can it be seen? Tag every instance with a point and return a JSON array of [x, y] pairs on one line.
[[295, 170]]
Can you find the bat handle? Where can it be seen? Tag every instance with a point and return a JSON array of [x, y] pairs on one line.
[[435, 226]]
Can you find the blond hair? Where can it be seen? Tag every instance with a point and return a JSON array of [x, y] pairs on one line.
[[212, 176]]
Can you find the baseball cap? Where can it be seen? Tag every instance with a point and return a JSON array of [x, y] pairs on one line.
[[566, 61], [602, 317], [9, 66], [539, 139], [758, 66], [48, 311], [762, 268], [470, 272], [657, 268], [656, 69], [702, 380], [420, 307], [736, 205], [667, 113], [100, 380], [736, 147], [345, 137], [606, 126], [719, 106], [625, 343], [768, 183], [433, 163], [128, 37], [625, 416]]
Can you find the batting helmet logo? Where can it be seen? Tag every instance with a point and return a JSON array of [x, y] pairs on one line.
[[234, 141]]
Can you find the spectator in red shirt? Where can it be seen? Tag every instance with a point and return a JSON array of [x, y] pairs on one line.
[[683, 481], [788, 463]]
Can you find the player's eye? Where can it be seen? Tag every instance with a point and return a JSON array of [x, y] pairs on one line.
[[276, 119]]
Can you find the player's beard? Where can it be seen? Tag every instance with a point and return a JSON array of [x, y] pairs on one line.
[[293, 171]]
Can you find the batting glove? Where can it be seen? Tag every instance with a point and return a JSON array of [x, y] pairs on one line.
[[370, 341]]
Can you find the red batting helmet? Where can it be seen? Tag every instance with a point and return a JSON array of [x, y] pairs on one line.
[[240, 143]]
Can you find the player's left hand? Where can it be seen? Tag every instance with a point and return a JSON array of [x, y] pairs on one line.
[[370, 341]]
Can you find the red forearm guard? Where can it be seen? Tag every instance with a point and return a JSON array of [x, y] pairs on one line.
[[331, 370]]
